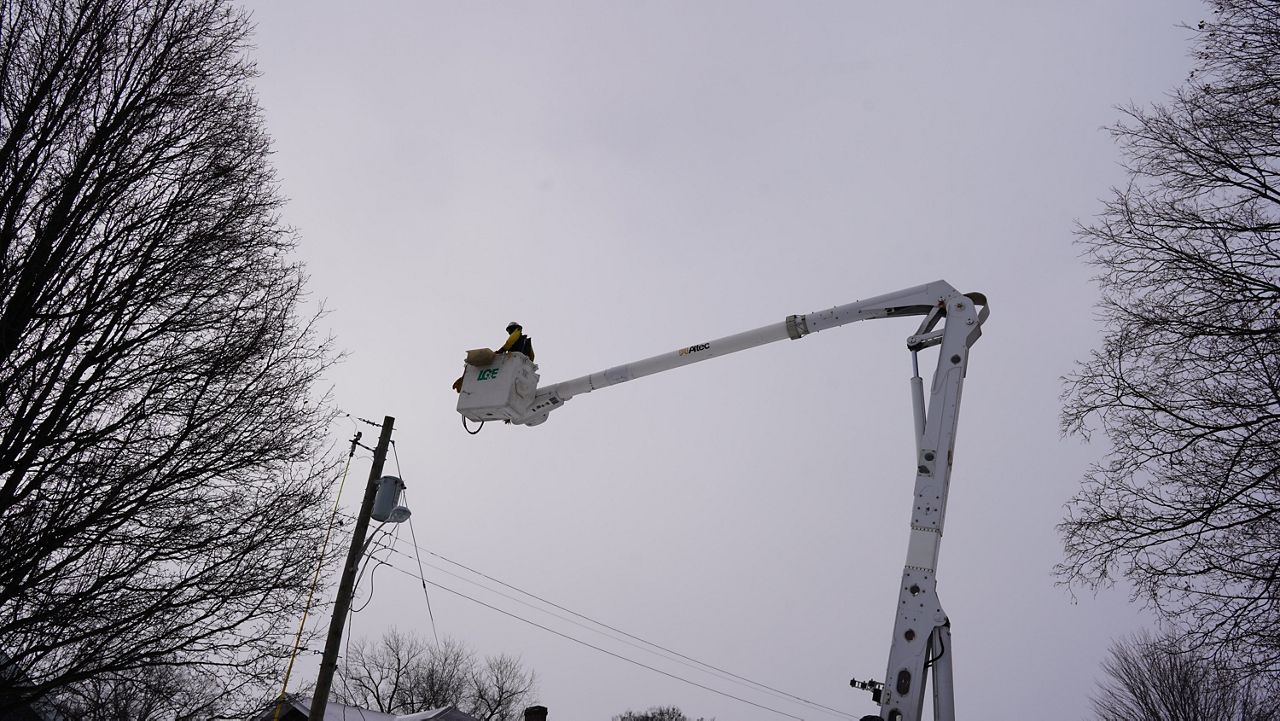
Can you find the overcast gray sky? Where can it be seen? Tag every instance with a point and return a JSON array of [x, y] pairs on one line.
[[627, 178]]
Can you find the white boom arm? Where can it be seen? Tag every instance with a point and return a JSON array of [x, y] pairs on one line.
[[919, 300], [921, 635]]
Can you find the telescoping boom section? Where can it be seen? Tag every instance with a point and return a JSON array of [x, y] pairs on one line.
[[921, 641]]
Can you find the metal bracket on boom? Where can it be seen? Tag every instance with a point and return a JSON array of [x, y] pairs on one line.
[[875, 687], [921, 641]]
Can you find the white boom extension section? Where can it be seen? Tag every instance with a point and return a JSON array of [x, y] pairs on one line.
[[919, 300], [921, 639]]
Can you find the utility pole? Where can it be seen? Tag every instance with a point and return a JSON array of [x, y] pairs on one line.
[[342, 603]]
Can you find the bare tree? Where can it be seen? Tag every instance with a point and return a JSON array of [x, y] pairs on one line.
[[402, 674], [1186, 383], [499, 688], [156, 693], [445, 680], [380, 674], [160, 488], [656, 713], [1150, 679]]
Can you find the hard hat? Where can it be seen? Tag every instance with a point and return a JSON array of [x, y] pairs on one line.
[[513, 325]]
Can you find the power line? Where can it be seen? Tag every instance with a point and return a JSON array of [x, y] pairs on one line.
[[430, 614], [564, 618], [597, 648], [721, 673], [741, 680]]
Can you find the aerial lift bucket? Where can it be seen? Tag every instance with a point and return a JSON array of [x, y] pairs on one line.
[[500, 390]]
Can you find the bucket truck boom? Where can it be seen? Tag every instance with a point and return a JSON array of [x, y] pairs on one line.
[[508, 390]]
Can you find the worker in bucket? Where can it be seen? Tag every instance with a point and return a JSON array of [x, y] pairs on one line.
[[517, 342]]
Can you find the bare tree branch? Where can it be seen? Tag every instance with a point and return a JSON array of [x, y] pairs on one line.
[[1158, 679], [161, 476], [403, 674], [1186, 383]]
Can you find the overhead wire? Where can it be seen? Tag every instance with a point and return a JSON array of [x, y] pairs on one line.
[[602, 650], [370, 557], [414, 534], [724, 676], [682, 659], [430, 614], [346, 656], [687, 661], [700, 666]]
